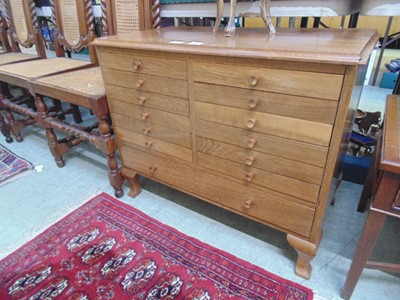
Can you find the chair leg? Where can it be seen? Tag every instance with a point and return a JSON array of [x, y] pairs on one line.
[[76, 114], [14, 125], [5, 129], [114, 173], [54, 147]]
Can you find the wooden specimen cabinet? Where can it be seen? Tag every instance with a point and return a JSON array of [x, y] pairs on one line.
[[252, 123]]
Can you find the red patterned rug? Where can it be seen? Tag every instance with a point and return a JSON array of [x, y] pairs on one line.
[[12, 166], [108, 250]]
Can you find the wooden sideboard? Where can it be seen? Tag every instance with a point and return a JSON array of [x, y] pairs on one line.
[[252, 123]]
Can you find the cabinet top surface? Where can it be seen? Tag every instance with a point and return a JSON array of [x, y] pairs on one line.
[[346, 46]]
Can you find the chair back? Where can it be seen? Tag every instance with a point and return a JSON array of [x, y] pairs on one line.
[[75, 27], [3, 35], [23, 25], [124, 16]]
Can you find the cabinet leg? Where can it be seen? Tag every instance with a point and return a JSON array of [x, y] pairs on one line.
[[306, 252], [133, 180]]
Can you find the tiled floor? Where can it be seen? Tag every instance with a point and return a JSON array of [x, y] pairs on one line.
[[33, 202]]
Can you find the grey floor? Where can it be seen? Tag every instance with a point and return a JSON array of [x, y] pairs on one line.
[[35, 201]]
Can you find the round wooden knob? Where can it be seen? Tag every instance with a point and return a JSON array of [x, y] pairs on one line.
[[142, 100], [251, 123], [148, 143], [251, 143], [145, 115], [137, 65], [253, 80], [248, 204], [146, 130], [250, 160], [249, 176], [139, 83], [152, 168], [253, 103]]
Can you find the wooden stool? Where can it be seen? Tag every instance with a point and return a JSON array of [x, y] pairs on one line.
[[386, 200]]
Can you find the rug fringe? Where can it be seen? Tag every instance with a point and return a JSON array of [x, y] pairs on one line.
[[52, 219]]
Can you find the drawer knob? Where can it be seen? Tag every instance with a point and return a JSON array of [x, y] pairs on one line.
[[145, 115], [250, 160], [137, 65], [148, 144], [147, 130], [253, 103], [249, 176], [248, 204], [251, 123], [142, 100], [253, 80], [139, 83], [251, 143], [152, 168]]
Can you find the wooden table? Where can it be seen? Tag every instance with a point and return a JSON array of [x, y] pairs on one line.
[[252, 123], [386, 201]]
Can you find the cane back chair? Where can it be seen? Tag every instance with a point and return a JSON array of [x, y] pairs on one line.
[[3, 36], [79, 15], [85, 88]]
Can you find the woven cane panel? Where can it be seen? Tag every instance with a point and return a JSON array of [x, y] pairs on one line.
[[37, 68], [8, 58], [18, 17], [127, 16], [70, 21], [87, 81]]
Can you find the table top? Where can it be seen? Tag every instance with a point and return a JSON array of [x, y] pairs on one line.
[[390, 159], [345, 46]]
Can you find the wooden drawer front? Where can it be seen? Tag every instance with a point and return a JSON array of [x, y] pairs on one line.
[[266, 162], [153, 130], [317, 110], [147, 83], [289, 186], [152, 145], [296, 129], [149, 115], [308, 84], [293, 150], [161, 102], [131, 62], [270, 209]]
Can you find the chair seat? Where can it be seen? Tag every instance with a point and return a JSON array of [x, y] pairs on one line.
[[86, 81], [13, 57], [39, 68]]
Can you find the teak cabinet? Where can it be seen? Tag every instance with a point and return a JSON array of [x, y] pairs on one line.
[[252, 123]]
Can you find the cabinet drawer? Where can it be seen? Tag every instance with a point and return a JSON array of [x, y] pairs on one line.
[[317, 110], [161, 102], [263, 207], [307, 153], [153, 130], [147, 83], [152, 145], [131, 62], [296, 129], [249, 175], [266, 162], [149, 115], [308, 84]]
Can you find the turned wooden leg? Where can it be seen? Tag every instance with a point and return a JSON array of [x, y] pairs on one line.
[[114, 173], [220, 9], [230, 28], [5, 129], [54, 147], [372, 228], [76, 114], [133, 180], [14, 125], [306, 252], [265, 6]]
